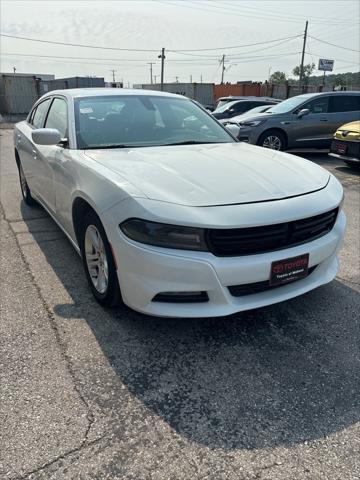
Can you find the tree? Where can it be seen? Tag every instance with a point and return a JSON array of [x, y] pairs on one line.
[[277, 77], [307, 71]]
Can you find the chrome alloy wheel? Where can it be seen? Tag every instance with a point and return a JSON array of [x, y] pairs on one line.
[[273, 142], [23, 184], [96, 259]]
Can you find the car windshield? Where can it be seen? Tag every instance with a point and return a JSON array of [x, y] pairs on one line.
[[142, 121], [289, 104], [226, 106]]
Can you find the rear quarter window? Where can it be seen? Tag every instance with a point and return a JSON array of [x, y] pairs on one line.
[[344, 103]]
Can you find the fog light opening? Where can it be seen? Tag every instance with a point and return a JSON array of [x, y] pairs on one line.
[[181, 297]]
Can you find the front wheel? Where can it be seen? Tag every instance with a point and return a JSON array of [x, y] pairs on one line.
[[272, 139], [98, 262]]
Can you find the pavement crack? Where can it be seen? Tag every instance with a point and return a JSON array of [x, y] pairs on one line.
[[69, 366], [63, 456]]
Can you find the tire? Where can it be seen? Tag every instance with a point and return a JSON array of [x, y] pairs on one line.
[[98, 261], [352, 164], [273, 139], [24, 187]]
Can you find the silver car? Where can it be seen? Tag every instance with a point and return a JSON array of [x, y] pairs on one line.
[[305, 121]]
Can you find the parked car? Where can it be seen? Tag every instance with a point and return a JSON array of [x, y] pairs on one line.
[[237, 107], [177, 218], [304, 121], [231, 98], [239, 118], [346, 143]]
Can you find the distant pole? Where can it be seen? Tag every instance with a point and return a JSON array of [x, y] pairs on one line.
[[151, 72], [269, 74], [14, 68], [222, 69], [113, 75], [155, 78], [190, 78], [200, 78], [302, 57], [324, 79], [162, 56]]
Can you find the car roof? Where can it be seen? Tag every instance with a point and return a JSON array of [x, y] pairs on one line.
[[100, 92], [247, 97]]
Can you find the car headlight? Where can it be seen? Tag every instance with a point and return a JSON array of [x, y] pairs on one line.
[[164, 235], [252, 123]]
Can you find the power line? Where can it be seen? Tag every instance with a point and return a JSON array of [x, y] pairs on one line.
[[235, 46], [333, 44], [77, 44], [277, 15], [242, 13], [147, 50]]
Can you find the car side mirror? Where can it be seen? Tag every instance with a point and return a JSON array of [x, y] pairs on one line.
[[303, 112], [46, 136], [233, 129]]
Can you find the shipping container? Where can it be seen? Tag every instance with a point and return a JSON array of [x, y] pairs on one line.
[[71, 82], [236, 90], [18, 93], [83, 82], [201, 92]]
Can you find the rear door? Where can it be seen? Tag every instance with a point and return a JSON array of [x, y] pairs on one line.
[[343, 108]]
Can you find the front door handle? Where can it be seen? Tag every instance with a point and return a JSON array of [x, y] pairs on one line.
[[323, 119]]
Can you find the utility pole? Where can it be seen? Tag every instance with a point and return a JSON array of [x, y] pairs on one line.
[[222, 69], [151, 75], [162, 56], [14, 68], [200, 78], [302, 58], [113, 75], [190, 78]]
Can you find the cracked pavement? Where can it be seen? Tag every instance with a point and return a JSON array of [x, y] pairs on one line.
[[93, 393]]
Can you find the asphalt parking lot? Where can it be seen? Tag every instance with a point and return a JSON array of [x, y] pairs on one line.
[[91, 393]]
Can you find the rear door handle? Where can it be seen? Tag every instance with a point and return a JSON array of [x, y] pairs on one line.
[[323, 119]]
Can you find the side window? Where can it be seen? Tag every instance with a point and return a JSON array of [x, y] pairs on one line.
[[57, 117], [344, 103], [319, 105], [40, 113]]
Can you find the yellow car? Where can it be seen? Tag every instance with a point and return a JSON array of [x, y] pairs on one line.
[[346, 143]]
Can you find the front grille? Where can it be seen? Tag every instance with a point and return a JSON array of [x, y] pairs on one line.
[[258, 287], [352, 148], [253, 240]]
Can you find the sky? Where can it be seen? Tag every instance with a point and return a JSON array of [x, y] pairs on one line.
[[257, 37]]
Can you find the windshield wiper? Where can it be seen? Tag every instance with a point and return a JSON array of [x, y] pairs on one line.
[[98, 147], [188, 142]]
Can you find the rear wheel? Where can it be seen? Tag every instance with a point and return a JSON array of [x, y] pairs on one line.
[[272, 139], [98, 262], [25, 190]]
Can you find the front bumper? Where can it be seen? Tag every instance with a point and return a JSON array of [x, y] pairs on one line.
[[352, 150], [145, 271]]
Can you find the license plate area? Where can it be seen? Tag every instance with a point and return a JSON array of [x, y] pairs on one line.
[[289, 270], [341, 148]]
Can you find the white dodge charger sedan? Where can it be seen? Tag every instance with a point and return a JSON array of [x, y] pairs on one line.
[[172, 215]]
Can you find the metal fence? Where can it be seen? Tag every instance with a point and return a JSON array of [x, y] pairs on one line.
[[18, 94]]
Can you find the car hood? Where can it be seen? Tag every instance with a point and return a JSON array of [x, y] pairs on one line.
[[244, 116], [213, 174], [349, 131]]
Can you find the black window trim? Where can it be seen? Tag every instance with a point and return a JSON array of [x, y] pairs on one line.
[[62, 144], [35, 108]]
